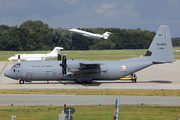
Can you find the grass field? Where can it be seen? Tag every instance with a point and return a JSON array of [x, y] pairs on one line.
[[144, 92], [88, 52], [92, 112], [83, 52], [6, 54]]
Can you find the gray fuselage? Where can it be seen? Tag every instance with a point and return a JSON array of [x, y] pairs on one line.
[[51, 70]]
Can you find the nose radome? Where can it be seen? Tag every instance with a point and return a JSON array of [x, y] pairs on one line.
[[7, 73]]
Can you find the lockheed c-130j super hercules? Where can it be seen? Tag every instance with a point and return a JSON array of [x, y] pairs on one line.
[[160, 51]]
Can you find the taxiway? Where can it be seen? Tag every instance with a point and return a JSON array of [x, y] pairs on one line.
[[47, 99]]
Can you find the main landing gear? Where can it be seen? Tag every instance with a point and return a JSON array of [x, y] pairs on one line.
[[83, 82]]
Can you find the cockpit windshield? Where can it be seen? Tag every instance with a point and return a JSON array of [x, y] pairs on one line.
[[17, 65]]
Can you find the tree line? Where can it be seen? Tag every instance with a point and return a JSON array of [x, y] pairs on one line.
[[36, 35]]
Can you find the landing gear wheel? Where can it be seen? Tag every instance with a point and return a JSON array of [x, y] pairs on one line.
[[88, 82], [21, 82], [79, 82]]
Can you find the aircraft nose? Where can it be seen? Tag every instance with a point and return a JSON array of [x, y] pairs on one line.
[[7, 73]]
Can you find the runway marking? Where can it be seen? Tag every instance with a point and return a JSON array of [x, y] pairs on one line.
[[4, 68]]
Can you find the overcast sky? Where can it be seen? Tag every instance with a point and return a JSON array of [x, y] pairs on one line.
[[133, 14]]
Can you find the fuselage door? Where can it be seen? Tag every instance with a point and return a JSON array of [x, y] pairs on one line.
[[28, 76]]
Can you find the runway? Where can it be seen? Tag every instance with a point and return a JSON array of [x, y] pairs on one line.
[[160, 76], [39, 99]]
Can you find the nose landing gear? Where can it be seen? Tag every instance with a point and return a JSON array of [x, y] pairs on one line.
[[21, 81]]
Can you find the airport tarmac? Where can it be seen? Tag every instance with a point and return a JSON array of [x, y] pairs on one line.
[[160, 76]]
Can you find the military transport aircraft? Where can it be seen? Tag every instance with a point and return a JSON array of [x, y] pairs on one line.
[[160, 51], [29, 57], [90, 35]]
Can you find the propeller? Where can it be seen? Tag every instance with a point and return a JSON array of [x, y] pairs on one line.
[[59, 57], [63, 64]]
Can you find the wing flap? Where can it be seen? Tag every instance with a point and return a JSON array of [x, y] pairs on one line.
[[88, 68], [89, 65]]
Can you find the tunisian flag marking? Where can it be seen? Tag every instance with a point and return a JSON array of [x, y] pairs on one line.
[[123, 67]]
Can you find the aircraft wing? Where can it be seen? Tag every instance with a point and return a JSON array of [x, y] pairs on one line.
[[86, 68], [89, 65]]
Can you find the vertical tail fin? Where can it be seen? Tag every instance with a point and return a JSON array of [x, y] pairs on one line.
[[56, 50], [160, 50], [106, 35]]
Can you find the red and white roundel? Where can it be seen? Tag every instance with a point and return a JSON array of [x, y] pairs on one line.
[[123, 67]]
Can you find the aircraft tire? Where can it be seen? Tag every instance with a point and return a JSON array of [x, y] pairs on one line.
[[21, 82], [88, 82], [79, 82]]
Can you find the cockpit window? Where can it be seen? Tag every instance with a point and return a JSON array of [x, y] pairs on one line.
[[17, 65]]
